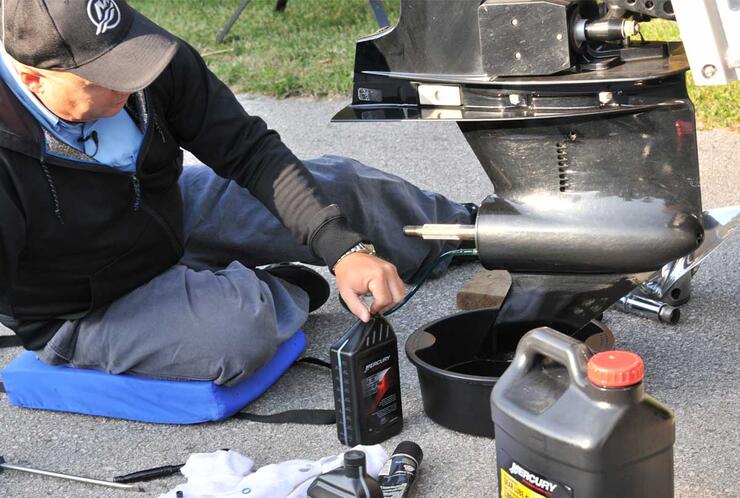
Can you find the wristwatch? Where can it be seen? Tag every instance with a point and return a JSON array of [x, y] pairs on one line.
[[366, 247]]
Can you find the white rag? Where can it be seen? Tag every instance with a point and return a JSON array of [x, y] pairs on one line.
[[228, 474]]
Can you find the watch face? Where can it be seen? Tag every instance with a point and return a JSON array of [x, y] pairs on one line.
[[368, 246]]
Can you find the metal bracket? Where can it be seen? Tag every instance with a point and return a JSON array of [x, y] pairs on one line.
[[652, 8], [671, 285], [712, 40]]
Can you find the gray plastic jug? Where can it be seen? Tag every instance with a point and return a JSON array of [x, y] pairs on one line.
[[572, 424]]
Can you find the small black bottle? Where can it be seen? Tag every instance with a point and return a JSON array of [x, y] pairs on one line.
[[350, 481], [367, 387], [399, 473]]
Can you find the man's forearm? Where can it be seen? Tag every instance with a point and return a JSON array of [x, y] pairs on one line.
[[210, 122]]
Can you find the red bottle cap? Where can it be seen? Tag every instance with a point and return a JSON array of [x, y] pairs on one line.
[[615, 369]]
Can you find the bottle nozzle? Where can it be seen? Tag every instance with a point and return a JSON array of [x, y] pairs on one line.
[[410, 449], [354, 463]]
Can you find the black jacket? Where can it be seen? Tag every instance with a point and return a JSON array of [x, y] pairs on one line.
[[76, 236]]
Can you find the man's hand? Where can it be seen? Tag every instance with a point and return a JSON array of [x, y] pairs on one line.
[[359, 274]]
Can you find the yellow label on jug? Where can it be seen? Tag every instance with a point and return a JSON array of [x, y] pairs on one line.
[[511, 488]]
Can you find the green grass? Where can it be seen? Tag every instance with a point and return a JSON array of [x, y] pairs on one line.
[[716, 106], [308, 50]]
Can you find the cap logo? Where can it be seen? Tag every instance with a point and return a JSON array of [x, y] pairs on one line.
[[104, 14]]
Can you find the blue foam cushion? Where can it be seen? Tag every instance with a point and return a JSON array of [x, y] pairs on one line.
[[31, 383]]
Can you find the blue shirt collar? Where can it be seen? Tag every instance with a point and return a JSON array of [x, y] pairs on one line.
[[119, 138]]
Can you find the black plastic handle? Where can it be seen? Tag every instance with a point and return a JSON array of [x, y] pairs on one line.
[[549, 343], [149, 474]]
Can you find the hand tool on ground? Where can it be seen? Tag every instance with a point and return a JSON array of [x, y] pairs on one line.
[[649, 308], [87, 480], [149, 474]]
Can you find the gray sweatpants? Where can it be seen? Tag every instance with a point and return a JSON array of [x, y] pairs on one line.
[[214, 316]]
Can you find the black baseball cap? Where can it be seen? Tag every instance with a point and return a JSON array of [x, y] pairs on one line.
[[103, 41]]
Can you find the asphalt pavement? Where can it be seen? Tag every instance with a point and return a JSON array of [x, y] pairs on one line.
[[691, 367]]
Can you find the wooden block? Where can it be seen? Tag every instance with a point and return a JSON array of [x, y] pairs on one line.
[[486, 289]]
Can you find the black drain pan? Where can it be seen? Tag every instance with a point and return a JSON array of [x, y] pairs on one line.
[[455, 380]]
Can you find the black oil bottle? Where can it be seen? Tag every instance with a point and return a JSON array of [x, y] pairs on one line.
[[569, 424], [367, 387], [350, 481]]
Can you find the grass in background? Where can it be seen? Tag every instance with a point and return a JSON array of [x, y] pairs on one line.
[[308, 50], [716, 106]]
